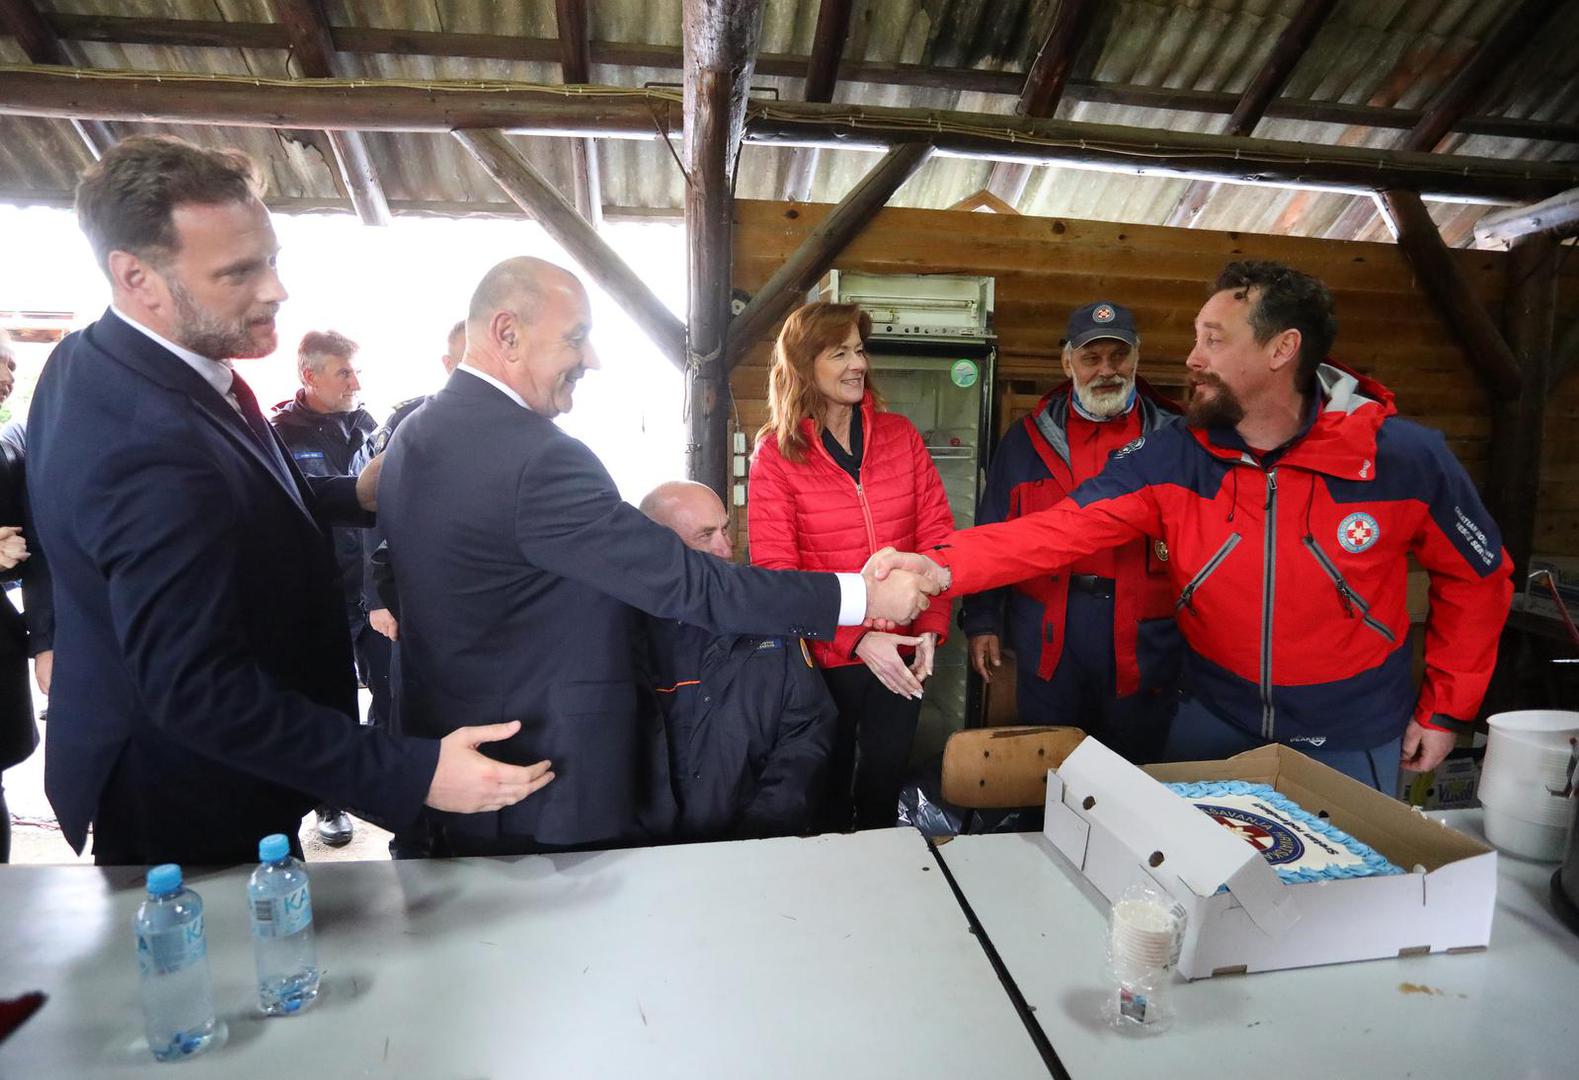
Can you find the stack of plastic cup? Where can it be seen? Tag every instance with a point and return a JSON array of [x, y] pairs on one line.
[[1145, 932], [1524, 779]]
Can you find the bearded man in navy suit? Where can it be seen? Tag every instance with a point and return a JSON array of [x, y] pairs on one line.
[[203, 690]]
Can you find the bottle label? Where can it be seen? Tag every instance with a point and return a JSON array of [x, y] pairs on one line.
[[173, 950], [282, 916]]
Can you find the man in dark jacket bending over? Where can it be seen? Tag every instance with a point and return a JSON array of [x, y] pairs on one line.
[[749, 721]]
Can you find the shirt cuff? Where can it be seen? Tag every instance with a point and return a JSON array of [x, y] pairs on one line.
[[852, 599]]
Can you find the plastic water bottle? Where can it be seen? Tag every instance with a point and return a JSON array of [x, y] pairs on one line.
[[172, 959], [282, 929]]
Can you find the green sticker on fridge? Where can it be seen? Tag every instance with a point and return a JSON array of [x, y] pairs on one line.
[[964, 373]]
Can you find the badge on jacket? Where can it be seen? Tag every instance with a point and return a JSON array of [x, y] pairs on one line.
[[1160, 549]]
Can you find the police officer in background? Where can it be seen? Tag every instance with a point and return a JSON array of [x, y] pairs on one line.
[[324, 427], [1096, 644]]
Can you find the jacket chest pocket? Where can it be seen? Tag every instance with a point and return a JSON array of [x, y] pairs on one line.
[[1210, 567], [1354, 605], [1037, 495]]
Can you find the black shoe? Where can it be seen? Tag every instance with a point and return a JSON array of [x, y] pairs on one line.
[[334, 827]]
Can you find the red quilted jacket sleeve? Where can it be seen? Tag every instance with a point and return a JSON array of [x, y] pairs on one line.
[[934, 525]]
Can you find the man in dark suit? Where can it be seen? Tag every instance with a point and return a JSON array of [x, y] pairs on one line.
[[203, 693], [521, 573]]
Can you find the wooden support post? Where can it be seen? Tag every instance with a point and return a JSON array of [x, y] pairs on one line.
[[38, 40], [308, 30], [1565, 356], [822, 73], [1044, 87], [1517, 426], [720, 45], [575, 66], [1264, 86], [1483, 345], [1466, 89], [1558, 215], [817, 252], [531, 192]]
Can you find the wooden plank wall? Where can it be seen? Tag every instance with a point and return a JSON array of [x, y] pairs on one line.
[[1045, 267]]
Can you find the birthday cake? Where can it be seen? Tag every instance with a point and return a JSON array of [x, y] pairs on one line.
[[1300, 846]]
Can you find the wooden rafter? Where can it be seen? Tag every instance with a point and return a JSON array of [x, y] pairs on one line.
[[720, 48], [381, 40], [1468, 87], [313, 47], [441, 107], [38, 40], [822, 74], [984, 200], [531, 192], [818, 251], [1558, 215], [575, 66], [1479, 339], [1291, 44], [1044, 86]]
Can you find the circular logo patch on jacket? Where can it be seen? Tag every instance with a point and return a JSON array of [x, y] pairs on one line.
[[1358, 532]]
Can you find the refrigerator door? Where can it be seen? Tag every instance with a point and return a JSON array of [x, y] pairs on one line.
[[946, 396]]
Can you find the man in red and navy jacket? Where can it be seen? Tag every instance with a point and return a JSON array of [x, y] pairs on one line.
[[1290, 504], [1096, 642]]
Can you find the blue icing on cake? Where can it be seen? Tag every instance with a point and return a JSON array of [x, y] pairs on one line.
[[1300, 846]]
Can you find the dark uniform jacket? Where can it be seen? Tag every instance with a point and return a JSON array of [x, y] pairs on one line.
[[327, 444], [18, 735], [202, 660], [373, 537], [520, 571], [749, 723]]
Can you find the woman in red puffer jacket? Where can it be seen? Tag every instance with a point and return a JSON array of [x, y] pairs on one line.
[[835, 478]]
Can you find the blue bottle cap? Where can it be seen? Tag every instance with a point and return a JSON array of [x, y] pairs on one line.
[[165, 878], [274, 847]]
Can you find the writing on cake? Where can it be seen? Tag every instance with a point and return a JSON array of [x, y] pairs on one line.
[[1300, 846]]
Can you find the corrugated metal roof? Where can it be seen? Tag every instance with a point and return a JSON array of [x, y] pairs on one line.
[[1376, 52]]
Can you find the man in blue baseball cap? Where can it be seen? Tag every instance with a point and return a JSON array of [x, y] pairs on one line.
[[1095, 645]]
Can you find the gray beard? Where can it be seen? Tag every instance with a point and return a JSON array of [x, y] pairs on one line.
[[1107, 403], [198, 330]]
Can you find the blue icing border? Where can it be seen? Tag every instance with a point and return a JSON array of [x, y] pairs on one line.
[[1375, 863]]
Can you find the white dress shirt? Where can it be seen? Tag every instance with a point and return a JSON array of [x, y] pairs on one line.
[[217, 373]]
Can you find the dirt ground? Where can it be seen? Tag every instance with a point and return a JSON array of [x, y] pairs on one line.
[[36, 838]]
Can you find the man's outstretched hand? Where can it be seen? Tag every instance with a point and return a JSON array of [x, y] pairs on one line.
[[468, 782], [1424, 748], [895, 595]]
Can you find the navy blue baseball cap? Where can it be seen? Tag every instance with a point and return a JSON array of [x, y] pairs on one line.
[[1101, 319]]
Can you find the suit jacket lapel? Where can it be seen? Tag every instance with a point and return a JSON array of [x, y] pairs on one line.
[[142, 354]]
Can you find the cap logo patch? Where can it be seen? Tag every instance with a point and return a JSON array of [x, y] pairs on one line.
[[1103, 314], [1358, 532]]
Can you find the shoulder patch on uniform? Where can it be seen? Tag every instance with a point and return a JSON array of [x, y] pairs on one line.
[[1358, 532], [1129, 448]]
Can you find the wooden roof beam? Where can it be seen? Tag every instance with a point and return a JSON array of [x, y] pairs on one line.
[[532, 193], [575, 67], [313, 47], [38, 40], [1044, 86], [816, 254], [822, 74], [1290, 46], [720, 50], [1558, 215], [1479, 339], [1467, 89], [622, 112], [205, 33]]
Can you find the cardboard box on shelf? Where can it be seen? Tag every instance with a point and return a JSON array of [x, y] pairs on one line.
[[1450, 786], [1120, 825]]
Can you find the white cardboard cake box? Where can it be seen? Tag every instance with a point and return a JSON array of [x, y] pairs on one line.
[[1120, 826]]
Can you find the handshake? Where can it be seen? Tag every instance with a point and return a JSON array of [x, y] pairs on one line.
[[898, 587]]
